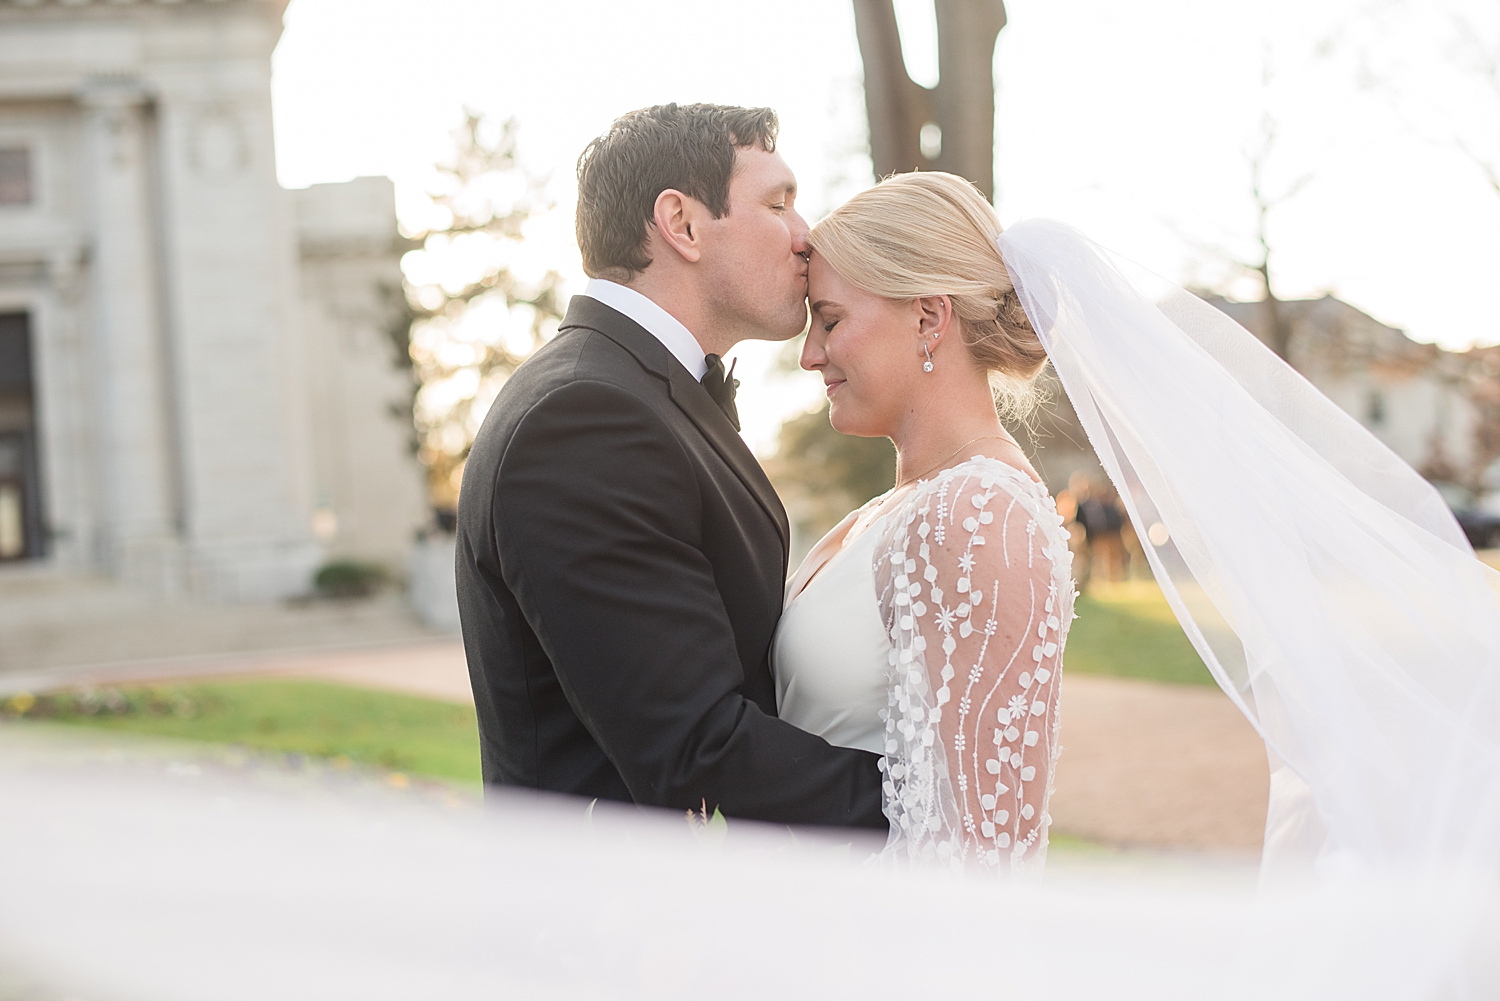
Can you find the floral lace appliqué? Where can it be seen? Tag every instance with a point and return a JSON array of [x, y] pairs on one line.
[[975, 583]]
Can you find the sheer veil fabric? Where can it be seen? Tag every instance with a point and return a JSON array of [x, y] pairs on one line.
[[1324, 583]]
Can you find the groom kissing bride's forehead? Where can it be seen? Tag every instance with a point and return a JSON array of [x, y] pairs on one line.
[[694, 208], [621, 554]]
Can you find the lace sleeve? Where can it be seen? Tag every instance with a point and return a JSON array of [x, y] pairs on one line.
[[975, 588]]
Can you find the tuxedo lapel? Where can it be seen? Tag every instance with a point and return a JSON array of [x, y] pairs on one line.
[[701, 409], [689, 395]]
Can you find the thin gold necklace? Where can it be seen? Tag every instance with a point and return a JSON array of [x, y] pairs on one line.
[[940, 462]]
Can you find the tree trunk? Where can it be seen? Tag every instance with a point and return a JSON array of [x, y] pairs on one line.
[[1278, 324], [962, 105], [896, 107], [967, 32]]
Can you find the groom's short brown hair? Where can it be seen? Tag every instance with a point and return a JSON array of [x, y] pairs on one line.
[[688, 148]]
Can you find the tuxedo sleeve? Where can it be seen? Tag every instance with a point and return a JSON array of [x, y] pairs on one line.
[[598, 518]]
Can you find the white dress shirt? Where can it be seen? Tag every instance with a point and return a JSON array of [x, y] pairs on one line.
[[663, 325]]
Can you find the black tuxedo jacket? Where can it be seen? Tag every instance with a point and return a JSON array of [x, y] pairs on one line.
[[621, 560]]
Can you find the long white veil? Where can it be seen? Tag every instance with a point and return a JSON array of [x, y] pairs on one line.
[[1325, 584]]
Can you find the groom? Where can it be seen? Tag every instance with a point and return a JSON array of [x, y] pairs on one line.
[[621, 555]]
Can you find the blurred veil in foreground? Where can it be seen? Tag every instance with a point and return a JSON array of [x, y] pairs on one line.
[[130, 881]]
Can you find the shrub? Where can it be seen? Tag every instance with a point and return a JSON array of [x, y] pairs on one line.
[[350, 579]]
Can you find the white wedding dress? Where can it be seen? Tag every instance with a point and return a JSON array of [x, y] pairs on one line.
[[928, 627]]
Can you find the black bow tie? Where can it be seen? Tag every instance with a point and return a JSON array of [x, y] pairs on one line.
[[721, 386]]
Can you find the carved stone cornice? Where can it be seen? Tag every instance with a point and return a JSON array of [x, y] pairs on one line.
[[147, 14], [356, 247], [65, 269], [62, 8], [113, 93], [126, 3], [56, 259]]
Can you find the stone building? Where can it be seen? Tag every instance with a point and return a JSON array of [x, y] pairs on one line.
[[1428, 405], [1416, 398], [198, 392]]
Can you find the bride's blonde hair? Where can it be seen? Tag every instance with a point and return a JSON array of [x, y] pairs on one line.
[[931, 233]]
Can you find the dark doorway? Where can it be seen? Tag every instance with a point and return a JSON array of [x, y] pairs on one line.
[[20, 491]]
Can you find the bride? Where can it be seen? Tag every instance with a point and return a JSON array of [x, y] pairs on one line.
[[928, 626], [1323, 582]]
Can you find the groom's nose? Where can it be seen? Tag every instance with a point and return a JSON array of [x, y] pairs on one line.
[[799, 234]]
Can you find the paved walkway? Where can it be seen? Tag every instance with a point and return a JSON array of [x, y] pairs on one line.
[[435, 670], [1143, 764], [55, 627]]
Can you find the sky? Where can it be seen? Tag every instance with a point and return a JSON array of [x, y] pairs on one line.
[[1129, 121]]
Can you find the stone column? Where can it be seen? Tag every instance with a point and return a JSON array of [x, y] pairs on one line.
[[139, 522], [231, 270], [67, 428]]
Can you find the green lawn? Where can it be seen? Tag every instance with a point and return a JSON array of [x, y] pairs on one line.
[[1128, 630], [401, 733]]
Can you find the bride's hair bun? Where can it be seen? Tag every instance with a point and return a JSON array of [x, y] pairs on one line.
[[931, 233]]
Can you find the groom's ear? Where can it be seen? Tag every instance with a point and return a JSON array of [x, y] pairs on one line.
[[679, 223]]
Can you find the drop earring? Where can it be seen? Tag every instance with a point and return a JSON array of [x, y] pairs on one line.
[[927, 365]]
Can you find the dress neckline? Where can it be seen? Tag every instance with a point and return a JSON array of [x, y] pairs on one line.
[[836, 541], [978, 459], [799, 583], [823, 568]]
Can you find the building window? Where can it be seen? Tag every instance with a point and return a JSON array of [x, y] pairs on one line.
[[15, 176], [20, 495], [12, 500]]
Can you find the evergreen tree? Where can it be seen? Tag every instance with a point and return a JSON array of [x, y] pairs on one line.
[[465, 339]]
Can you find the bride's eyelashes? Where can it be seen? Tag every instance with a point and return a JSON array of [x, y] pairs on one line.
[[828, 327]]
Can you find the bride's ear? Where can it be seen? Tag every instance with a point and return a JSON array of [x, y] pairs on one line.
[[934, 317]]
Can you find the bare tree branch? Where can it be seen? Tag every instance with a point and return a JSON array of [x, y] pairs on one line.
[[1276, 327], [1471, 49], [1485, 56]]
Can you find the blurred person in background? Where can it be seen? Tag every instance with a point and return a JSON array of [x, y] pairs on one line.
[[1099, 513], [1067, 508]]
